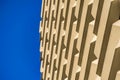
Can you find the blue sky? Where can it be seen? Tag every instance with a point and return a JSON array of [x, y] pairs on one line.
[[19, 39]]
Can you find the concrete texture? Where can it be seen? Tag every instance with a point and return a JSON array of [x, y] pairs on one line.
[[80, 40]]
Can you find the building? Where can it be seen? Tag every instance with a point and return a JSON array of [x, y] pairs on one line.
[[80, 40]]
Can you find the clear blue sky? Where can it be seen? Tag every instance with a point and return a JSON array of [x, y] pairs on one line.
[[19, 39]]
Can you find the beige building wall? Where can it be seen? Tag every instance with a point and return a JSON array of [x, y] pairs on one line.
[[80, 40]]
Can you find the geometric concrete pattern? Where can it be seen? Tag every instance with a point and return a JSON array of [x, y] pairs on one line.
[[80, 40]]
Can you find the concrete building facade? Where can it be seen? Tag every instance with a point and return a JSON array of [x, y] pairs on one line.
[[80, 40]]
